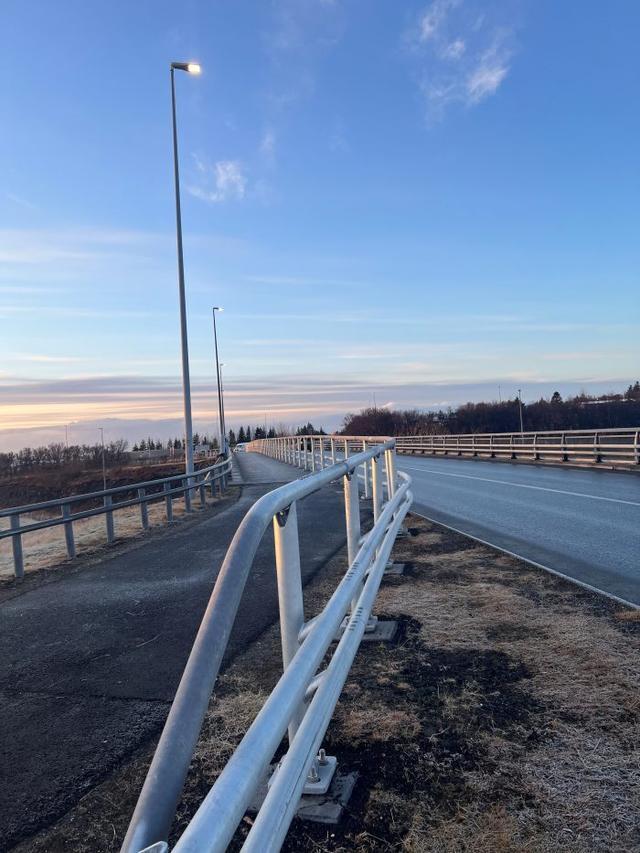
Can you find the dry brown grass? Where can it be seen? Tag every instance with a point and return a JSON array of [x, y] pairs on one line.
[[45, 548], [506, 718]]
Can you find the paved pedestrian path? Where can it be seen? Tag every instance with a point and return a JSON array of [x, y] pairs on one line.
[[90, 662]]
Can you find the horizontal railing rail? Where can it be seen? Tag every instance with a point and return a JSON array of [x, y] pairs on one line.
[[302, 702], [149, 491], [605, 447]]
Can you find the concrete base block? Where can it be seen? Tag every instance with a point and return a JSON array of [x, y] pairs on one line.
[[393, 569], [321, 808], [381, 632], [329, 807], [402, 532]]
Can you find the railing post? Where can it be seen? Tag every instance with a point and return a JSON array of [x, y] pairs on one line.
[[390, 465], [333, 451], [203, 497], [636, 447], [144, 513], [68, 531], [366, 472], [352, 515], [313, 454], [167, 500], [321, 449], [186, 485], [597, 457], [287, 547], [376, 483], [16, 545], [109, 519]]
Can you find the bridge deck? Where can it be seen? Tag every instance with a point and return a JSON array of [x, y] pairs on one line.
[[582, 523]]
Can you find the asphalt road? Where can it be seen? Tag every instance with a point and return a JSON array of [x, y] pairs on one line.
[[89, 663], [582, 523]]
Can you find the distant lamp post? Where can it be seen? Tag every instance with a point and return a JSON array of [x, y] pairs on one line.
[[224, 423], [520, 407], [104, 467], [190, 68], [223, 434]]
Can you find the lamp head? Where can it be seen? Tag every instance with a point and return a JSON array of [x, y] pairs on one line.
[[189, 67]]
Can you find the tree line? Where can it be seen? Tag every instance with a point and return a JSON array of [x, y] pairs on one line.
[[58, 455], [175, 443], [247, 434], [580, 412]]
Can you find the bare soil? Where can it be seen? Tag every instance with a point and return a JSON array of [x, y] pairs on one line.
[[504, 717]]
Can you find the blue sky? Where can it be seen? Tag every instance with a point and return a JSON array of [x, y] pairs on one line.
[[420, 201]]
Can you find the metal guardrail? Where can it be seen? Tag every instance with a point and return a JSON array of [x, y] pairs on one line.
[[303, 700], [618, 448], [147, 492]]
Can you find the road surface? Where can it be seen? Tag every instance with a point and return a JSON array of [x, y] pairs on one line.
[[581, 523], [90, 662]]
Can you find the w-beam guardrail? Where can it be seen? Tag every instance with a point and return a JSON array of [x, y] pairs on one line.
[[304, 698], [616, 448], [162, 489]]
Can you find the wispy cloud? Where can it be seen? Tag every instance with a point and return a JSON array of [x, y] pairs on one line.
[[268, 145], [224, 180], [41, 358], [20, 201], [46, 246], [463, 53]]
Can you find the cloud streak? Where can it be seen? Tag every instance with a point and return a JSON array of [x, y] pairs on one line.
[[224, 180], [462, 53]]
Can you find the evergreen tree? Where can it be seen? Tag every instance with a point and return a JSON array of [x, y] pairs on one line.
[[248, 433], [241, 435], [232, 438]]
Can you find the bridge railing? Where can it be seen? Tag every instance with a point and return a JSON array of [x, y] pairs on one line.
[[619, 448], [162, 489], [304, 698]]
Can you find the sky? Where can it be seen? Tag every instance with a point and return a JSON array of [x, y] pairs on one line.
[[413, 204]]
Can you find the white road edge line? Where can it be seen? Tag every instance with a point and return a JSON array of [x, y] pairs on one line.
[[530, 562], [523, 486]]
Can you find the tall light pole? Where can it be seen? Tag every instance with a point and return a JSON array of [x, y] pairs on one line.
[[224, 423], [223, 434], [520, 407], [190, 68], [104, 469]]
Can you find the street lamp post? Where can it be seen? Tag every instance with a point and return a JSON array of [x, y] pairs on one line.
[[104, 468], [223, 434], [224, 422], [520, 407], [190, 68]]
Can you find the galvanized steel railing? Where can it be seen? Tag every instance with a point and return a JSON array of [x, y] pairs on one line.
[[304, 698], [606, 447], [213, 476]]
